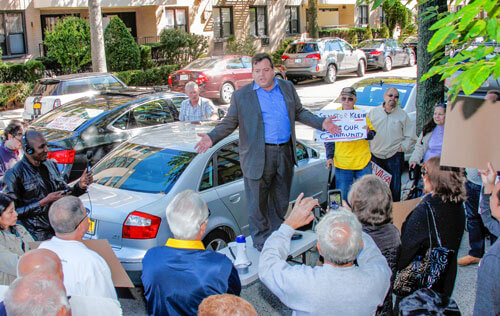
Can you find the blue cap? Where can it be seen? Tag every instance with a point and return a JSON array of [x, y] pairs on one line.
[[240, 239]]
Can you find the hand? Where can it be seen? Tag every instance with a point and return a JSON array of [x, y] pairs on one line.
[[346, 205], [400, 150], [329, 163], [329, 126], [85, 180], [52, 197], [413, 165], [488, 176], [204, 143], [301, 213]]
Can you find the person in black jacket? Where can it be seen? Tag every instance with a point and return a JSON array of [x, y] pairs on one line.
[[34, 183], [445, 194], [371, 201]]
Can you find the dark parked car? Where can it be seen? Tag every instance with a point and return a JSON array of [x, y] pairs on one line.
[[322, 58], [49, 93], [217, 76], [83, 131], [412, 42], [387, 53]]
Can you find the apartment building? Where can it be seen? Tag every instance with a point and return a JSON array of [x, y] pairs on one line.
[[23, 23]]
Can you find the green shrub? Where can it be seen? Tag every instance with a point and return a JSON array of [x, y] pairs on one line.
[[350, 35], [368, 35], [151, 77], [51, 64], [409, 30], [280, 51], [69, 43], [243, 46], [13, 95], [384, 31], [146, 61], [122, 52], [21, 72], [179, 48]]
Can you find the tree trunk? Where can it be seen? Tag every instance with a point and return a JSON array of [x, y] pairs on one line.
[[97, 37], [313, 18], [431, 91]]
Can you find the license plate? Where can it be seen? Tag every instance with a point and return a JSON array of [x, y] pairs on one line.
[[91, 230], [37, 105], [298, 60], [184, 77]]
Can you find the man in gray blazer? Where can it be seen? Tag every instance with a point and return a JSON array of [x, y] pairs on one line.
[[265, 112]]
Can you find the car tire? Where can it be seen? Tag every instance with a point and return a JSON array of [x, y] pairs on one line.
[[361, 68], [226, 91], [411, 60], [216, 240], [331, 74], [294, 81], [387, 64]]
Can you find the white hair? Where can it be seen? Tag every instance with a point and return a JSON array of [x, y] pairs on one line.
[[339, 236], [185, 214], [29, 296], [190, 85]]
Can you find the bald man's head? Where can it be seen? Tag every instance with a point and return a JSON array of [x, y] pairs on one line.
[[40, 261]]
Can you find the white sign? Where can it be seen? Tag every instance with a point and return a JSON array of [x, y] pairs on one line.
[[351, 122], [66, 123], [381, 173]]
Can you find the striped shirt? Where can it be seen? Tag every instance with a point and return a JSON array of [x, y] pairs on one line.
[[201, 112]]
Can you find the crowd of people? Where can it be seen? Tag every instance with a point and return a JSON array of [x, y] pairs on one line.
[[361, 250]]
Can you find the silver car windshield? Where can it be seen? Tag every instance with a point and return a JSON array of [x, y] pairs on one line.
[[142, 168], [373, 94]]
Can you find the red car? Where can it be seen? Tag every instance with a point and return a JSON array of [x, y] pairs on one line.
[[217, 76]]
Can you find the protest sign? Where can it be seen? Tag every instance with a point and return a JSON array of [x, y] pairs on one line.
[[381, 173], [351, 122]]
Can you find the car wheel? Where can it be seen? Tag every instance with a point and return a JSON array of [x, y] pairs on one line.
[[216, 240], [361, 68], [387, 64], [331, 74], [294, 80], [226, 91], [411, 60]]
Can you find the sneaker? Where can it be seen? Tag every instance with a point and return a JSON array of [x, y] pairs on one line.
[[467, 260]]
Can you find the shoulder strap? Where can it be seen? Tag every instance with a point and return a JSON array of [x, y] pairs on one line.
[[431, 211]]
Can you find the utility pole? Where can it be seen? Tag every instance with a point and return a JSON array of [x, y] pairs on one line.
[[97, 37]]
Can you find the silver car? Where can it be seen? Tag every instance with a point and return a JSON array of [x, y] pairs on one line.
[[322, 58], [136, 181]]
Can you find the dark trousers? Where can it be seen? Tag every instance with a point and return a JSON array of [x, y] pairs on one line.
[[477, 231], [268, 197], [393, 165]]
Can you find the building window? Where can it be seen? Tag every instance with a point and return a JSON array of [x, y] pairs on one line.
[[363, 14], [383, 17], [258, 21], [292, 18], [12, 33], [176, 19], [223, 21]]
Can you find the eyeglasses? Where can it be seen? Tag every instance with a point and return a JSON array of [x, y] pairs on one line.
[[87, 213], [424, 171], [347, 99], [396, 96]]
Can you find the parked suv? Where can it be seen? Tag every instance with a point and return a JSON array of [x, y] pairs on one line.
[[387, 52], [50, 93], [322, 58]]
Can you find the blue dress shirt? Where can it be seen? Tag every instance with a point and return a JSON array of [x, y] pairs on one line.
[[274, 114]]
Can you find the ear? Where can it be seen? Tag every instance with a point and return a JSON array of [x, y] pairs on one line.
[[319, 248], [64, 312], [203, 229]]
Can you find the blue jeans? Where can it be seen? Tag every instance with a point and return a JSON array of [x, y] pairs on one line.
[[344, 178], [393, 165]]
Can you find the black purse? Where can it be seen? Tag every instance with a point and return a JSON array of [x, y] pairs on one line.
[[426, 302], [424, 271]]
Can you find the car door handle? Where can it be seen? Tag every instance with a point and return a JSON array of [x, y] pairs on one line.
[[235, 198]]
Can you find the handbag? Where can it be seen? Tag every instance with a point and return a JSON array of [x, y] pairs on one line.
[[424, 271]]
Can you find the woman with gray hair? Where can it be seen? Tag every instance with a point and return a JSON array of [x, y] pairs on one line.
[[371, 201]]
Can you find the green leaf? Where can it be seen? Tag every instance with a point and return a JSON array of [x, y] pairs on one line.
[[438, 39], [377, 4], [489, 5], [496, 70], [477, 28], [470, 11], [442, 22]]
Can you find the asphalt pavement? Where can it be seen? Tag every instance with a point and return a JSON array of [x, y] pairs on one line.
[[315, 94]]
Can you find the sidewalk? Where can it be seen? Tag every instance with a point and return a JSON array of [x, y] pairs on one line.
[[6, 116]]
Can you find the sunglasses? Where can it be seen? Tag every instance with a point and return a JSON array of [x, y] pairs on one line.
[[393, 95], [347, 99]]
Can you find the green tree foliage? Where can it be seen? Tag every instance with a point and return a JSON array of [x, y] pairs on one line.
[[396, 14], [312, 19], [276, 55], [69, 43], [409, 30], [180, 48], [146, 61], [368, 35], [122, 52], [384, 31], [242, 46]]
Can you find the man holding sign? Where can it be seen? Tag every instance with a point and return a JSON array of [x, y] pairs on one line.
[[350, 157]]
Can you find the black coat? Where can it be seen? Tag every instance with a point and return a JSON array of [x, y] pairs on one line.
[[450, 222], [24, 184]]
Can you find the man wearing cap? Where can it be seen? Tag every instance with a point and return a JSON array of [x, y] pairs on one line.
[[395, 136], [351, 159]]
